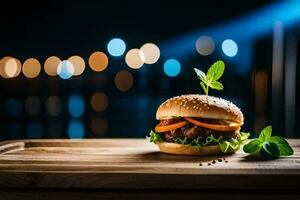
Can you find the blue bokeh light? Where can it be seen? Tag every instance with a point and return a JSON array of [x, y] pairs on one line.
[[76, 129], [116, 47], [14, 107], [229, 48], [172, 67], [65, 69], [34, 130], [76, 106]]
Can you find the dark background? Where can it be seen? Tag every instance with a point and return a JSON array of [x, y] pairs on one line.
[[40, 29]]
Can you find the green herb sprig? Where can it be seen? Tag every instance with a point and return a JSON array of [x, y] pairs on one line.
[[210, 79], [267, 146]]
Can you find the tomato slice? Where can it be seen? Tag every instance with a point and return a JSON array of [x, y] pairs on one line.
[[160, 129], [230, 127]]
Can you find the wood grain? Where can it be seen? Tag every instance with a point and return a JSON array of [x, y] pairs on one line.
[[136, 164]]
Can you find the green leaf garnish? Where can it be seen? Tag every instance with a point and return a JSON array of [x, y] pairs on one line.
[[154, 137], [269, 146], [252, 147], [284, 147], [216, 71], [271, 150], [210, 80], [265, 134]]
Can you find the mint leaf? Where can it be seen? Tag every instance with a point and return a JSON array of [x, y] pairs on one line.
[[216, 71], [217, 85], [265, 134], [284, 147], [253, 147], [270, 150], [209, 80], [200, 74], [268, 146]]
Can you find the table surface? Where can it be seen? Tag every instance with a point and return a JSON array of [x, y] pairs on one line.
[[135, 163]]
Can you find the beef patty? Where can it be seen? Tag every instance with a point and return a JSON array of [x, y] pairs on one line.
[[191, 131]]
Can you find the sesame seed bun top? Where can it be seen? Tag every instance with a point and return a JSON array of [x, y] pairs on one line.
[[200, 106]]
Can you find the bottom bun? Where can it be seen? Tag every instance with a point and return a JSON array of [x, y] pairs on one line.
[[182, 149]]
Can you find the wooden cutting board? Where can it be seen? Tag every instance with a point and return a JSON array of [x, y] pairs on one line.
[[137, 164]]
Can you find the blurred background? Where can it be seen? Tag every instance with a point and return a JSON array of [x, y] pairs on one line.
[[92, 69]]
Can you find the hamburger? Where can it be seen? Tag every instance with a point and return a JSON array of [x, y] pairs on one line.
[[198, 125]]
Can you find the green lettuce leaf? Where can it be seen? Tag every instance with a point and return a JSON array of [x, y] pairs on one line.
[[154, 137], [228, 145]]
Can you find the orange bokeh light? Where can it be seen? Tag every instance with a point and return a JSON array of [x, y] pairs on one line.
[[51, 64], [98, 61], [31, 68], [78, 64], [10, 67]]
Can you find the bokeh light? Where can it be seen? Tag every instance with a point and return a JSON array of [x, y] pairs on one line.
[[76, 129], [34, 130], [149, 53], [76, 106], [10, 67], [78, 64], [116, 47], [172, 67], [230, 48], [99, 101], [14, 107], [65, 69], [31, 68], [98, 61], [99, 126], [53, 106], [124, 80], [205, 45], [133, 59], [32, 105], [51, 65]]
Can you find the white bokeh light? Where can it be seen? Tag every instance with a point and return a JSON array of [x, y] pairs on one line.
[[149, 53], [65, 69]]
